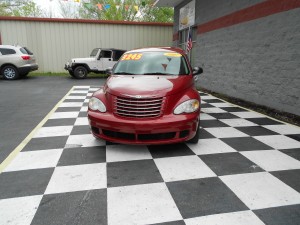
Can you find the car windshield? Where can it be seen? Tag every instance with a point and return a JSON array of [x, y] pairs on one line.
[[94, 52], [152, 63]]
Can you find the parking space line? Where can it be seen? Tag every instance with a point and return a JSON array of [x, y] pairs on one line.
[[251, 110], [19, 148]]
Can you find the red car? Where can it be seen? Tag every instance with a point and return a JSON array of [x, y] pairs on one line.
[[149, 98]]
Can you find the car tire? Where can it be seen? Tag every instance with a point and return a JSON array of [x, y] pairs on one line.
[[195, 139], [71, 73], [10, 73], [80, 72]]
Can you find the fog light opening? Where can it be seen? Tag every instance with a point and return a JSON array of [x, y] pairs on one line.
[[95, 130], [184, 133]]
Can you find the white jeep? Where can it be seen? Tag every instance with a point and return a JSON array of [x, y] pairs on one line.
[[98, 62]]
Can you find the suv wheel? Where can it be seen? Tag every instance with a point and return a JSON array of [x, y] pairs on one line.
[[80, 72], [10, 73], [71, 73]]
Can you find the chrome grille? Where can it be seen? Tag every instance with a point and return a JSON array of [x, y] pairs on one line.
[[138, 107]]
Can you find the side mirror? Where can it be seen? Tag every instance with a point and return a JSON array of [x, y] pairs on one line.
[[197, 70], [109, 71]]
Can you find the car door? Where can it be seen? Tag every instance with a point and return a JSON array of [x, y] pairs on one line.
[[106, 59], [9, 56], [96, 64]]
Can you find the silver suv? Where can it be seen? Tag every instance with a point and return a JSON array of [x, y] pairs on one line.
[[16, 62]]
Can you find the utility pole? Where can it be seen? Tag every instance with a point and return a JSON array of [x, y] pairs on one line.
[[50, 8]]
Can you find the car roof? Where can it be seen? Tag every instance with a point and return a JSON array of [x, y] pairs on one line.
[[112, 49], [10, 46], [159, 49]]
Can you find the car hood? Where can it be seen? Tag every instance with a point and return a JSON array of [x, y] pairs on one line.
[[88, 59], [147, 86]]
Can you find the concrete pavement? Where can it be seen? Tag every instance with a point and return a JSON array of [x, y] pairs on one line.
[[25, 102]]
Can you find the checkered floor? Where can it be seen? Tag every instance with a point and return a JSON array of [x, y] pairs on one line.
[[245, 170]]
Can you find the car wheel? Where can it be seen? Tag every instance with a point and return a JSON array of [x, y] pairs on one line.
[[195, 139], [80, 72], [71, 73], [10, 73]]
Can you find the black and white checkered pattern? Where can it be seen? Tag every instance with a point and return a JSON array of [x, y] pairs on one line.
[[245, 170]]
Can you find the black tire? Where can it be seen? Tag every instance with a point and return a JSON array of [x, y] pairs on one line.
[[80, 72], [71, 73], [195, 139], [10, 73]]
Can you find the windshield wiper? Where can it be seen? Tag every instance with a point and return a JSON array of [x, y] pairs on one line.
[[157, 73], [125, 73]]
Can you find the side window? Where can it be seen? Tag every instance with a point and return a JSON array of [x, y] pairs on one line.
[[118, 55], [7, 51], [106, 54]]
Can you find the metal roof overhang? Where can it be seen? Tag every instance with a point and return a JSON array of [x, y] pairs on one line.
[[167, 3]]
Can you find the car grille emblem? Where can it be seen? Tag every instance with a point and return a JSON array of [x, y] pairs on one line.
[[140, 96]]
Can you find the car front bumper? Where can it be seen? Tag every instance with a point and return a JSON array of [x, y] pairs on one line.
[[68, 67], [163, 130]]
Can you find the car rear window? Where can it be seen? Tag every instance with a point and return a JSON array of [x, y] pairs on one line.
[[25, 50], [7, 51]]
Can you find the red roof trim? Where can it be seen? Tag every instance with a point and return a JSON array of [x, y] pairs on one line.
[[260, 10], [257, 11], [60, 20]]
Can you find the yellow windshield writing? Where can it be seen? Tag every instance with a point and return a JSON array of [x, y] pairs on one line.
[[132, 57], [172, 54]]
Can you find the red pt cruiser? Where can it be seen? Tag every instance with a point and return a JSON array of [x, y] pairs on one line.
[[149, 98]]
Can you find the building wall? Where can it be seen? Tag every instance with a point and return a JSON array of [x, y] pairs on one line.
[[254, 58], [54, 42]]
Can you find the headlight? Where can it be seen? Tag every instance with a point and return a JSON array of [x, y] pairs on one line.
[[96, 104], [188, 106]]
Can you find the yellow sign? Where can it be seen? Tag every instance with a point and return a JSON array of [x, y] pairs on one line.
[[187, 15], [131, 57]]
